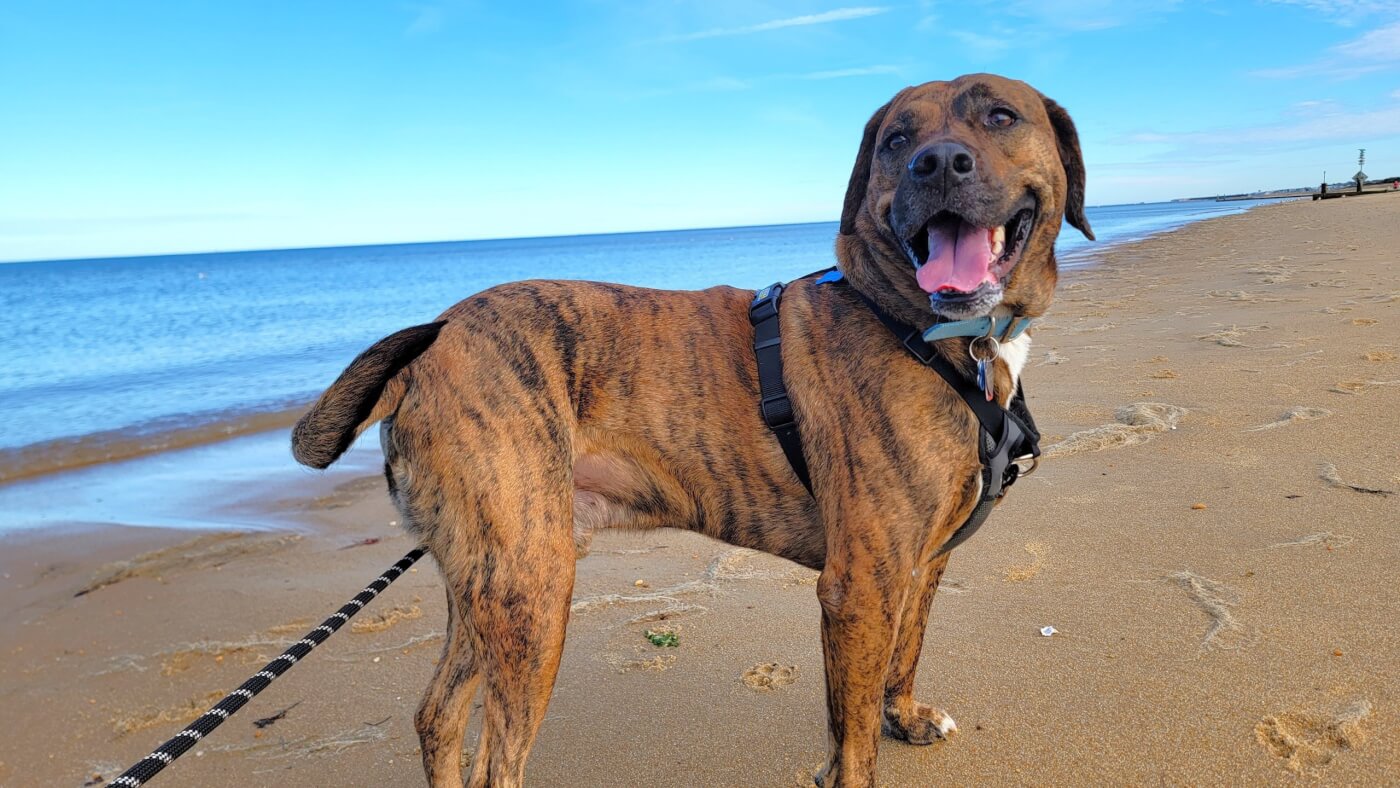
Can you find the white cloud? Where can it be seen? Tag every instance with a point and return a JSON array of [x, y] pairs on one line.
[[1087, 15], [981, 45], [1376, 50], [1383, 44], [1333, 126], [842, 73], [1346, 12], [826, 17]]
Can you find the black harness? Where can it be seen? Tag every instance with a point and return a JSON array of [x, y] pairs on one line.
[[1005, 435]]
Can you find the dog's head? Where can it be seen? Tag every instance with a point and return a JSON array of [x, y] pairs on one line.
[[956, 199]]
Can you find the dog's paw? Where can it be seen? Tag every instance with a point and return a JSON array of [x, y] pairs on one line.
[[917, 724]]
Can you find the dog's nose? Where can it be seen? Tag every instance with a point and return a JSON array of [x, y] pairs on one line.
[[946, 161]]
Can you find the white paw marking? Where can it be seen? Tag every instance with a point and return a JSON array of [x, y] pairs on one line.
[[947, 725]]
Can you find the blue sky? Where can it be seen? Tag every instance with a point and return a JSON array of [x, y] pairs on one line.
[[153, 127]]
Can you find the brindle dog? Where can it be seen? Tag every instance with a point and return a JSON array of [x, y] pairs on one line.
[[533, 414]]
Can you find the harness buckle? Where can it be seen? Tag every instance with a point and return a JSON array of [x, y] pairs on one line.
[[918, 348], [765, 303], [777, 411]]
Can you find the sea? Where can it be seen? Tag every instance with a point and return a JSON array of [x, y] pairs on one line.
[[108, 360]]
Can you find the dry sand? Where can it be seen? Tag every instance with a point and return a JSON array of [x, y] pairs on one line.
[[1214, 540]]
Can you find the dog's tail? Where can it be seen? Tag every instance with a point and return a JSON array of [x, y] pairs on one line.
[[367, 391]]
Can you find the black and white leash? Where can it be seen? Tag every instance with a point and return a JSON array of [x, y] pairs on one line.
[[150, 766]]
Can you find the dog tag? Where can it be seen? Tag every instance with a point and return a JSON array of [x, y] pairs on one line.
[[984, 351], [984, 378]]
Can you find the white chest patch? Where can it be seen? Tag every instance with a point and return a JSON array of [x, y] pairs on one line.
[[1015, 353]]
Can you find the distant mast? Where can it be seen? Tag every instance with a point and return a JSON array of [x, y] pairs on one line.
[[1360, 176]]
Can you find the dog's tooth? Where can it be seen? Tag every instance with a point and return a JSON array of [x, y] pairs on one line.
[[998, 238]]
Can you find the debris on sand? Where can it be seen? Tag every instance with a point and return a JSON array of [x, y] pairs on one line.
[[1216, 599], [655, 664], [1328, 473], [729, 565], [666, 613], [1241, 295], [272, 720], [1326, 539], [1232, 336], [1137, 423], [1306, 739], [1294, 414], [663, 638]]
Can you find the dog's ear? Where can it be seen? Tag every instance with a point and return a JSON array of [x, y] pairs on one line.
[[860, 175], [1073, 160]]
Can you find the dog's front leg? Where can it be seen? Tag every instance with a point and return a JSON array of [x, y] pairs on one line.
[[905, 718], [862, 590]]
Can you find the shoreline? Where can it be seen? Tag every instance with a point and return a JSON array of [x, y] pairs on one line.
[[1241, 365], [192, 431]]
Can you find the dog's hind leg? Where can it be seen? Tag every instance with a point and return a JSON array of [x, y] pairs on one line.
[[905, 718], [519, 609], [442, 716]]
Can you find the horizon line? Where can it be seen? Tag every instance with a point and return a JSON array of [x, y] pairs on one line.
[[380, 244]]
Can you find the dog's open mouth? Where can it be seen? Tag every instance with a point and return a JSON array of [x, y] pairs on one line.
[[955, 257]]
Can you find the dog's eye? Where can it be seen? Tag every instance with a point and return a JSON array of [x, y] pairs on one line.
[[896, 141], [1002, 118]]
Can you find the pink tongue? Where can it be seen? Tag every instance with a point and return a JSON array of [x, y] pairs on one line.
[[962, 263]]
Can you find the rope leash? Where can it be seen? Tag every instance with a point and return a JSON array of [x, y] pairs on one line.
[[150, 766]]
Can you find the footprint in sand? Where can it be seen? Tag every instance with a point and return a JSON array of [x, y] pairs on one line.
[[1306, 739], [769, 676], [1017, 574], [1379, 356]]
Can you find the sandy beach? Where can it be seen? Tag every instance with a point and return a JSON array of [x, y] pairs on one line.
[[1214, 536]]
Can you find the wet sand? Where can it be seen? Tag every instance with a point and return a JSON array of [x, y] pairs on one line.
[[1215, 538]]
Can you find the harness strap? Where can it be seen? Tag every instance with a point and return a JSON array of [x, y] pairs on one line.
[[774, 403], [1005, 435]]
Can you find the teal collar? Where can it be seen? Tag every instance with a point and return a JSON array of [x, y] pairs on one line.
[[1004, 329]]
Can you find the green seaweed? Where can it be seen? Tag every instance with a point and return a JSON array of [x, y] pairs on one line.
[[663, 638]]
